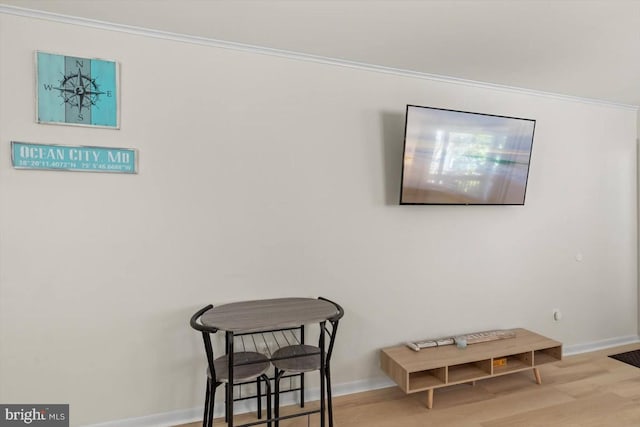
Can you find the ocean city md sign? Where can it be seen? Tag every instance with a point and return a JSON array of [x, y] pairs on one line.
[[73, 158]]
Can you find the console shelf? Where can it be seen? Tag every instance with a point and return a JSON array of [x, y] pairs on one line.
[[435, 367]]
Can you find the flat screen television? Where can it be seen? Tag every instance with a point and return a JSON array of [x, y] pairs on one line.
[[463, 158]]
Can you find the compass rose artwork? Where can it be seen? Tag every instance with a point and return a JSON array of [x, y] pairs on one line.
[[76, 91]]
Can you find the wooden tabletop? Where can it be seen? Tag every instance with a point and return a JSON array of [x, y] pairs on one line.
[[433, 357], [268, 314]]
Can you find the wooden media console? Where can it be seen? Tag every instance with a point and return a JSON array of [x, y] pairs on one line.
[[435, 367]]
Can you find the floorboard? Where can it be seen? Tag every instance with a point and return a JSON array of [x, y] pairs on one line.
[[586, 390]]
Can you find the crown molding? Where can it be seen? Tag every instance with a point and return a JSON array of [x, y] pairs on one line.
[[222, 44]]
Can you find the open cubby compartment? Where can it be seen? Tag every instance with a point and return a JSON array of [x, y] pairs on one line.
[[515, 362], [422, 380], [469, 371], [547, 355]]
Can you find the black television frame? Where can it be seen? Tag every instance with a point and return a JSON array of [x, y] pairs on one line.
[[464, 121]]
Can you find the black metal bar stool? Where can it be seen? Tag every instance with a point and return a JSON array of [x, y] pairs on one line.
[[247, 365], [301, 358]]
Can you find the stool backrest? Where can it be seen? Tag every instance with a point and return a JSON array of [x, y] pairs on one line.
[[206, 336], [334, 327]]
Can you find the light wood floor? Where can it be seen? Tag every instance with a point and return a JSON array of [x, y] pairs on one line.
[[586, 390]]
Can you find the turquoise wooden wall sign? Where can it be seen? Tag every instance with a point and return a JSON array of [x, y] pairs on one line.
[[73, 158], [76, 91]]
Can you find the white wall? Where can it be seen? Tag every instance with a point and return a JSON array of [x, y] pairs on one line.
[[263, 176]]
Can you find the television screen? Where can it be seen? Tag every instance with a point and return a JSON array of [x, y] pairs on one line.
[[463, 158]]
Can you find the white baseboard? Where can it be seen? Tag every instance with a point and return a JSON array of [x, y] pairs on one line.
[[571, 350], [184, 416], [165, 419]]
